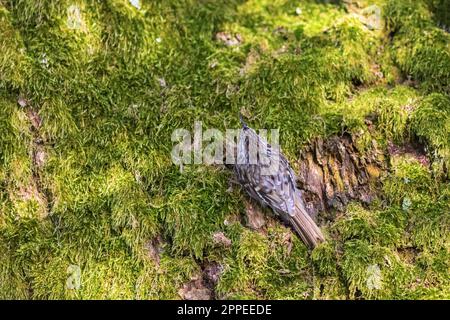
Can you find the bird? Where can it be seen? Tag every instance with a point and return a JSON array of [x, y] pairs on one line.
[[275, 189]]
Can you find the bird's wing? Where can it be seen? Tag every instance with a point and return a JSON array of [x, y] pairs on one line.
[[277, 189]]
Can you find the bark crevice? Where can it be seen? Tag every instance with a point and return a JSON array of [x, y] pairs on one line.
[[333, 172]]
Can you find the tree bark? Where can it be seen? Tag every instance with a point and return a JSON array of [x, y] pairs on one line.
[[333, 172]]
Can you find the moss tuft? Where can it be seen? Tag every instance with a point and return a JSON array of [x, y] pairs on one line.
[[91, 91]]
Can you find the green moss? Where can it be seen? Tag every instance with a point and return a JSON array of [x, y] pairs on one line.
[[386, 110], [420, 47], [424, 201], [12, 286], [378, 250], [187, 213], [324, 259], [263, 266], [441, 12], [108, 83], [409, 178]]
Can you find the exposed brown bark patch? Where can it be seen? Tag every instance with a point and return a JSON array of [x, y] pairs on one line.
[[220, 238], [229, 39], [195, 289], [211, 273], [30, 193], [250, 61], [415, 151], [155, 248], [408, 254], [333, 172]]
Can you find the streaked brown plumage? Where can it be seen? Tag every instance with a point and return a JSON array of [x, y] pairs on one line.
[[277, 189]]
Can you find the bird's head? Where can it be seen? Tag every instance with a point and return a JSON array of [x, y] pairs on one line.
[[244, 125]]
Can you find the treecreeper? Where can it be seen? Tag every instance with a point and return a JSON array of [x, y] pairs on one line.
[[266, 175]]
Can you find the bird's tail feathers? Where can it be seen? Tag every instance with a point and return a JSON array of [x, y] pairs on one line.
[[305, 227]]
